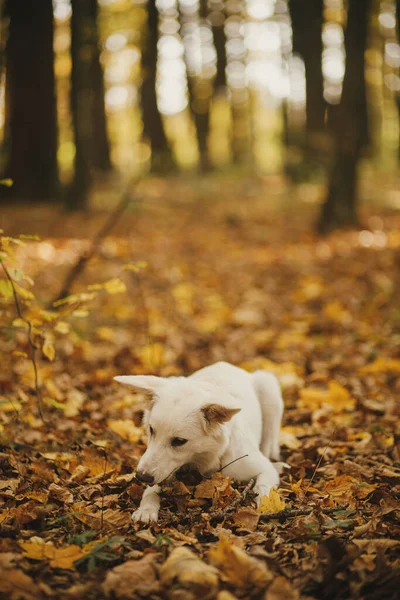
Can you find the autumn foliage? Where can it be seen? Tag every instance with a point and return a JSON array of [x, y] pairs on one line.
[[172, 289]]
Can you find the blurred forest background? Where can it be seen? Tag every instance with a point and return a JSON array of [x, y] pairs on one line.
[[305, 89]]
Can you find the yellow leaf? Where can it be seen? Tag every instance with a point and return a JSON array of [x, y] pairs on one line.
[[112, 286], [336, 396], [336, 312], [115, 286], [126, 428], [6, 289], [75, 400], [106, 333], [382, 365], [62, 327], [9, 405], [135, 267], [48, 349], [271, 503], [20, 354], [238, 567], [61, 558], [25, 294], [151, 355], [7, 182]]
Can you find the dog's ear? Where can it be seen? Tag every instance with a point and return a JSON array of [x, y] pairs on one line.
[[216, 413], [149, 384]]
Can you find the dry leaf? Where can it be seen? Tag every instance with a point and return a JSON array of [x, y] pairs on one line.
[[281, 589], [48, 349], [239, 568], [336, 396], [209, 487], [186, 569], [382, 365], [247, 517], [131, 578], [271, 503], [107, 520], [61, 558], [74, 403], [126, 428], [60, 493], [17, 585]]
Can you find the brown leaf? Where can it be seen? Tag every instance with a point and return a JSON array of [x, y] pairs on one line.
[[190, 573], [209, 487], [132, 578], [107, 520], [18, 585], [247, 517], [60, 493], [79, 474], [281, 589], [239, 568]]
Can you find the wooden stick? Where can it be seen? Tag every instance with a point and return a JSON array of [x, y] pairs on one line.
[[109, 224]]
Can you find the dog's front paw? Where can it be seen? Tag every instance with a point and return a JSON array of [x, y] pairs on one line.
[[145, 515], [261, 490]]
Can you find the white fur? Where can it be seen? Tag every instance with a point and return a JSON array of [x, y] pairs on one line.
[[175, 410]]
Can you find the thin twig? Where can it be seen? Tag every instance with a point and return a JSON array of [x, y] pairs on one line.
[[110, 222], [30, 340], [297, 512], [103, 491], [221, 514], [233, 461], [319, 463]]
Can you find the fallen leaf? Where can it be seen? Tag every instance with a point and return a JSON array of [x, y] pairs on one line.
[[281, 589], [126, 428], [74, 403], [132, 578], [17, 585], [192, 574], [209, 487], [239, 568], [247, 517], [271, 503], [48, 349], [336, 396], [61, 558], [382, 365], [60, 493]]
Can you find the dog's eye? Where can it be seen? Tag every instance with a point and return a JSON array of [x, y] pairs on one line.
[[151, 430], [178, 442]]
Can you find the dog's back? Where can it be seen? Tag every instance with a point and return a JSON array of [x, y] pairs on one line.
[[257, 394], [270, 398]]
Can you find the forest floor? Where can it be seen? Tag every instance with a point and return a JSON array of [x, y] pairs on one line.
[[231, 278]]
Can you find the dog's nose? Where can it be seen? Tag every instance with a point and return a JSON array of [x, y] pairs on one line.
[[144, 477]]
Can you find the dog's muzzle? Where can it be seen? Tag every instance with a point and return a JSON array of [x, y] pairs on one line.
[[144, 477]]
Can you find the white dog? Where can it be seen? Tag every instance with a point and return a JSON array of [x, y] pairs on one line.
[[217, 416]]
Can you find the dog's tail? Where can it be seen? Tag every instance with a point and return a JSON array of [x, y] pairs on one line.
[[269, 396]]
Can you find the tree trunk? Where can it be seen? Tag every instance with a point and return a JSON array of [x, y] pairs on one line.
[[398, 41], [307, 20], [200, 93], [30, 93], [101, 145], [153, 128], [217, 20], [339, 209], [87, 102]]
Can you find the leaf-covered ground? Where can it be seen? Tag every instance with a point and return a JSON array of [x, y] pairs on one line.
[[227, 278]]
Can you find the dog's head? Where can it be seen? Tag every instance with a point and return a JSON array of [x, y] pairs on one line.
[[184, 423]]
